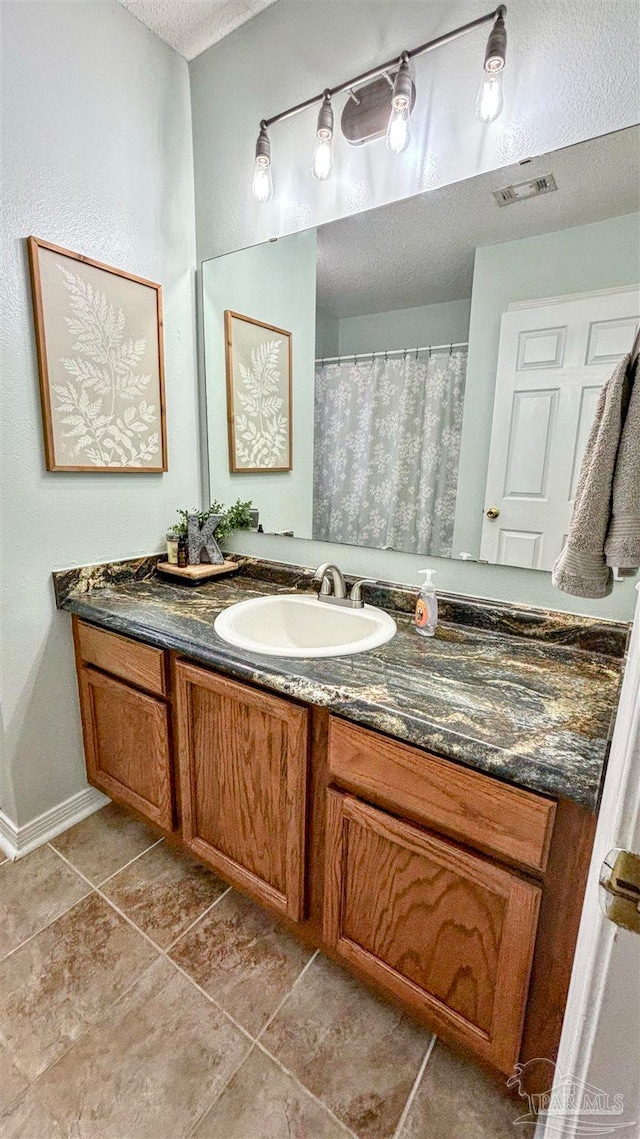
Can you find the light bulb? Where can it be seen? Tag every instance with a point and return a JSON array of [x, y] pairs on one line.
[[489, 101], [322, 159], [262, 185], [490, 98], [399, 129], [322, 164]]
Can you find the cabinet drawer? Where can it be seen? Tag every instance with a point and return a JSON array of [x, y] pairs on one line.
[[448, 932], [480, 811], [141, 665]]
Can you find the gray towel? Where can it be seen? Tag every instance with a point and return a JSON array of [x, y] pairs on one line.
[[622, 546], [581, 568]]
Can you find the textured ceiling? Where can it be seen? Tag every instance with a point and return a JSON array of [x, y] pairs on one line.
[[420, 251], [191, 26]]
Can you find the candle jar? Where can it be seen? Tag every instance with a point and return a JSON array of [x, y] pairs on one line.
[[172, 548]]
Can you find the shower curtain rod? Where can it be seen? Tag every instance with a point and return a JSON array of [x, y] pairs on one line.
[[392, 352]]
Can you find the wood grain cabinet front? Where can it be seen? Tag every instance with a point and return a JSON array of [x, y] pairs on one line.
[[138, 664], [495, 818], [416, 872], [449, 933], [243, 757], [127, 745]]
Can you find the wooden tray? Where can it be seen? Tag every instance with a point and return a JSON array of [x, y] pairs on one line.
[[193, 574]]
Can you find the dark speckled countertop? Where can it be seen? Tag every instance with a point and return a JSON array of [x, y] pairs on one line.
[[522, 708]]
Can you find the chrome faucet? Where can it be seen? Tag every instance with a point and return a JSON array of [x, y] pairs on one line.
[[328, 574]]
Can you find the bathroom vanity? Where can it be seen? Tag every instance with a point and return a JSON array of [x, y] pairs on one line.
[[424, 813]]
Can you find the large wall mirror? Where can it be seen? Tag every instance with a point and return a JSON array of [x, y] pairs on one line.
[[445, 355]]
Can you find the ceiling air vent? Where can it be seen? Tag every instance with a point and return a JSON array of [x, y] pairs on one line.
[[522, 190]]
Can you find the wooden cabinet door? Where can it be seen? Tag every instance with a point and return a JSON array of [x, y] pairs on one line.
[[127, 745], [448, 932], [243, 775]]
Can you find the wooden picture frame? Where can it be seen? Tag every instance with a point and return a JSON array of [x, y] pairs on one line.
[[260, 441], [100, 364]]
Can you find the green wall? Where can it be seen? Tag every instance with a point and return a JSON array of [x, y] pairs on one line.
[[327, 333], [96, 157], [274, 282], [406, 327], [310, 45], [603, 255]]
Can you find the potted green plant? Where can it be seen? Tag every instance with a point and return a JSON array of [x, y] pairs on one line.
[[236, 517]]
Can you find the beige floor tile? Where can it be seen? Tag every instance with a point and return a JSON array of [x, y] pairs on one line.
[[66, 976], [243, 958], [12, 1080], [33, 892], [28, 1119], [358, 1055], [164, 892], [149, 1068], [104, 842], [262, 1102], [456, 1100]]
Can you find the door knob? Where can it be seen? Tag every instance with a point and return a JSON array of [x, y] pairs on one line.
[[493, 512], [620, 888]]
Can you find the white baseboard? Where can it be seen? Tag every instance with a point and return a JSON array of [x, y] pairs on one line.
[[17, 841]]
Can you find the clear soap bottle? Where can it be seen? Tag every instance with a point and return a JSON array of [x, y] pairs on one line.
[[426, 614]]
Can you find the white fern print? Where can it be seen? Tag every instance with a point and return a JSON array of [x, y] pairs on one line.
[[102, 422], [261, 426]]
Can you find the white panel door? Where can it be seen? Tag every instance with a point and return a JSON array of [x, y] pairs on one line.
[[600, 1041], [553, 359]]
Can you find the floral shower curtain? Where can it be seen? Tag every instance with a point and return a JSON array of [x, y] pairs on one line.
[[387, 444]]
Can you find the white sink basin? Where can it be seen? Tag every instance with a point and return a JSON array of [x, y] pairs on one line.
[[294, 625]]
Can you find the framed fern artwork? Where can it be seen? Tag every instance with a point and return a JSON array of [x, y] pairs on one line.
[[100, 359], [258, 359]]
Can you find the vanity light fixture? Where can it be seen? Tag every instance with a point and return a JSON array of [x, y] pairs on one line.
[[369, 95], [490, 98], [322, 156]]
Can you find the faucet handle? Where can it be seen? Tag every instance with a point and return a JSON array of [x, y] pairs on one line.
[[356, 591]]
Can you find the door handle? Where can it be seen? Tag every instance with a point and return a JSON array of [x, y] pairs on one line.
[[620, 888], [493, 512]]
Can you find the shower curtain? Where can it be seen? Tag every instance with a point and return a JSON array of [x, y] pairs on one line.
[[387, 444]]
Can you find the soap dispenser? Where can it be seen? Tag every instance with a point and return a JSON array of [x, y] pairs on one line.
[[426, 614]]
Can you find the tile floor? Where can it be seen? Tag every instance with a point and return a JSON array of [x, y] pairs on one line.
[[144, 999]]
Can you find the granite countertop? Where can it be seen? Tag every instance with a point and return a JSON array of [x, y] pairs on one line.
[[534, 713]]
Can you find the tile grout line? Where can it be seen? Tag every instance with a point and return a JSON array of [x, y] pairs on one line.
[[287, 994], [104, 881], [298, 1081], [235, 1023], [220, 1093], [104, 1012], [51, 922], [196, 920], [160, 953], [169, 960], [416, 1084], [117, 910], [254, 1042], [98, 890], [130, 921]]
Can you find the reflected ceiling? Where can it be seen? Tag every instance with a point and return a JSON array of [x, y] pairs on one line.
[[360, 274]]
